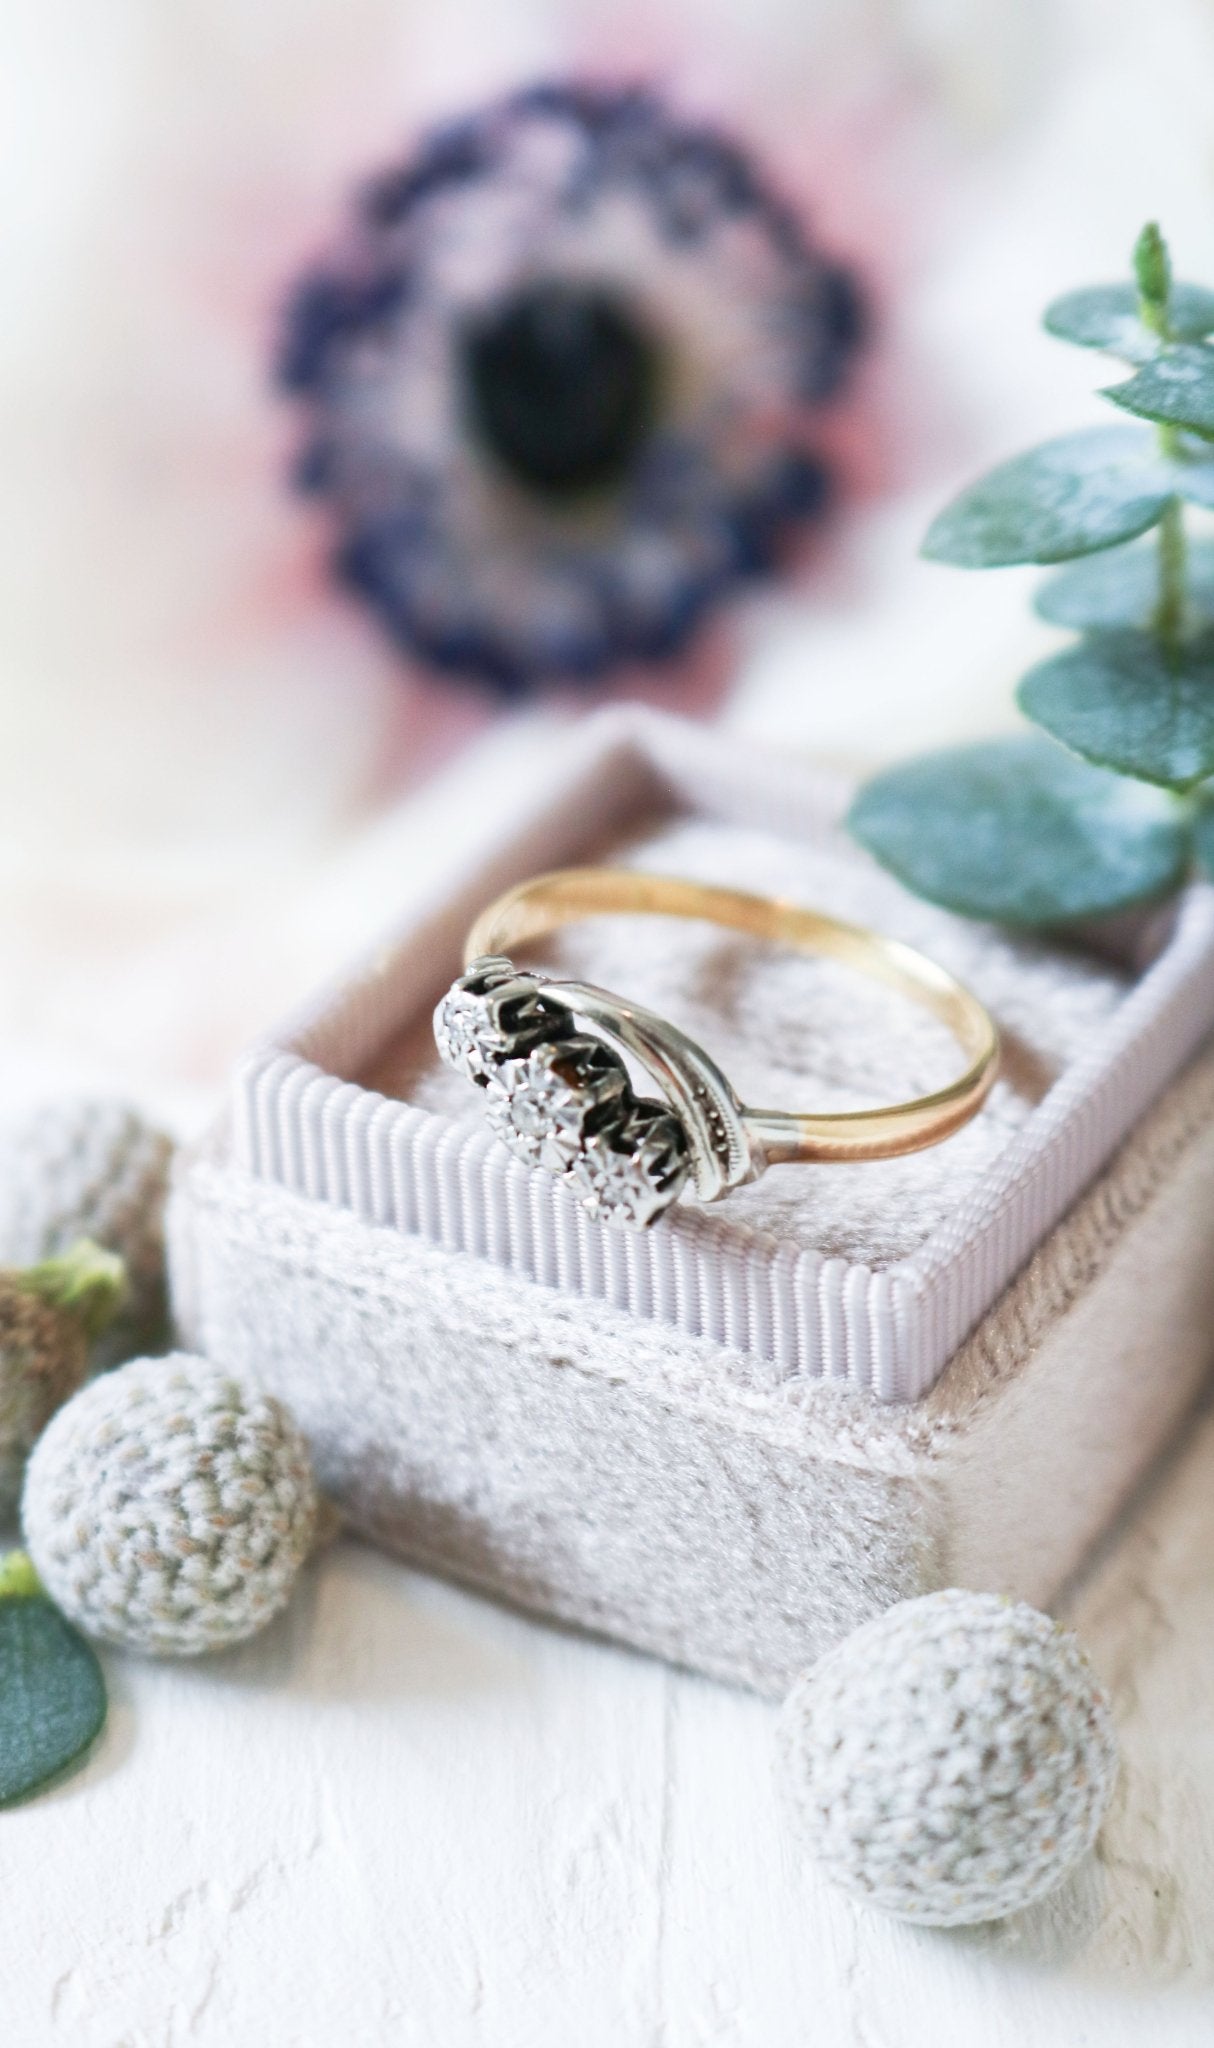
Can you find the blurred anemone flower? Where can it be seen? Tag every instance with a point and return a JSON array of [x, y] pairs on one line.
[[561, 374]]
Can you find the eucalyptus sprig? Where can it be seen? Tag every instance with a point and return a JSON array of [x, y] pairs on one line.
[[1025, 829]]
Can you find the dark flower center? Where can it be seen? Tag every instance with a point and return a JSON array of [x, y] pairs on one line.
[[561, 384]]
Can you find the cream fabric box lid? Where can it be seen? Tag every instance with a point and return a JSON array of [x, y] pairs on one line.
[[307, 1119]]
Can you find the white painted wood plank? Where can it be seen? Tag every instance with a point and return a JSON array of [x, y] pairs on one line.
[[409, 1816]]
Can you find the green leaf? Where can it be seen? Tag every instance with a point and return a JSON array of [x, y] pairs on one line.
[[1021, 831], [1120, 587], [1176, 388], [1118, 701], [52, 1695], [1108, 316], [1070, 497]]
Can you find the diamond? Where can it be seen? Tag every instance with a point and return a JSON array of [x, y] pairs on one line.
[[544, 1107], [461, 1035], [490, 1014], [630, 1174]]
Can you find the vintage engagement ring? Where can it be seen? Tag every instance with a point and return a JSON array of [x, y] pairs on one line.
[[561, 1097]]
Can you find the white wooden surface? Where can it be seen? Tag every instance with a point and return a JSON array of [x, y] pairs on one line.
[[406, 1816]]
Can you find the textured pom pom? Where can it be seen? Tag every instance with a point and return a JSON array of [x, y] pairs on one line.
[[85, 1167], [168, 1507], [952, 1760]]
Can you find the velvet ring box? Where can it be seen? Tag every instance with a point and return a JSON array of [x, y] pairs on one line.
[[732, 1437]]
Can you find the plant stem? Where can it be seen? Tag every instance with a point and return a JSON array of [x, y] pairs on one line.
[[1169, 615], [1153, 273], [1153, 276]]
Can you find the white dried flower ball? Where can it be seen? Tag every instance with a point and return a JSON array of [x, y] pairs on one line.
[[168, 1507], [90, 1167], [952, 1760]]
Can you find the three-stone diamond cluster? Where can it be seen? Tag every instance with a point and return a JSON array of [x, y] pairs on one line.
[[560, 1098]]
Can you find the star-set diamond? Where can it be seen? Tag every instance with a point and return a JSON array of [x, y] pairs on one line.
[[490, 1014], [545, 1107], [634, 1180], [559, 1098]]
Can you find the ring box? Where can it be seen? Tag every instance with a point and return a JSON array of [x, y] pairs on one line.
[[732, 1437]]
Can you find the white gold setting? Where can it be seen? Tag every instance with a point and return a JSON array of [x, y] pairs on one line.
[[561, 1099]]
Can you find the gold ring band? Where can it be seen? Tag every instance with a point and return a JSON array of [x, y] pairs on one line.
[[543, 905], [500, 1020]]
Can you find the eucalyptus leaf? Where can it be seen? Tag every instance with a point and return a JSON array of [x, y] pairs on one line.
[[1107, 316], [1175, 388], [1119, 701], [1069, 497], [1019, 830], [1120, 587], [52, 1695]]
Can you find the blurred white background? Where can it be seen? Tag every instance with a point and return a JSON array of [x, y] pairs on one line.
[[194, 729]]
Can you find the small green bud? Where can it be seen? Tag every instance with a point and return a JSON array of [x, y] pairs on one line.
[[18, 1579], [84, 1282], [1153, 273]]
